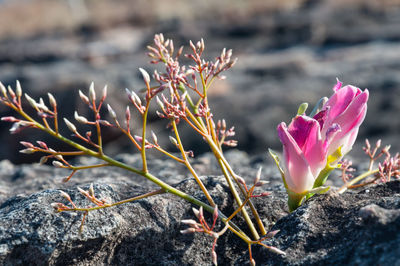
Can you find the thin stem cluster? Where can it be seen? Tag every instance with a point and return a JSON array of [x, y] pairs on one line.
[[181, 93]]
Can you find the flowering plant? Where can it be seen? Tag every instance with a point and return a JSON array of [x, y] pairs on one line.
[[313, 145]]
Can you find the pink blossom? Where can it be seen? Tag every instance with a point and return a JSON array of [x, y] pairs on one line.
[[308, 141]]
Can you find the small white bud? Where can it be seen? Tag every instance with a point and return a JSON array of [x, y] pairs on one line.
[[173, 140], [83, 192], [188, 231], [27, 151], [3, 89], [154, 136], [70, 125], [57, 164], [258, 176], [43, 160], [112, 112], [65, 195], [11, 91], [92, 93], [18, 89], [52, 100], [104, 93], [189, 222], [84, 98], [145, 75], [59, 157], [31, 101], [91, 190], [80, 119], [137, 98], [277, 251], [42, 106], [160, 103]]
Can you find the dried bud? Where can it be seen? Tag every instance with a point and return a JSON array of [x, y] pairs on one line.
[[92, 93], [189, 222], [145, 75], [261, 183], [43, 160], [28, 151], [9, 119], [258, 176], [52, 100], [58, 206], [277, 251], [127, 114], [65, 195], [18, 89], [271, 234], [240, 180], [42, 106], [214, 257], [91, 190], [27, 144], [173, 140], [42, 144], [11, 92], [160, 103], [112, 112], [378, 143], [154, 136], [57, 164], [188, 231], [80, 119], [3, 89], [215, 213], [31, 101], [70, 125], [196, 212], [83, 192], [84, 98], [104, 93]]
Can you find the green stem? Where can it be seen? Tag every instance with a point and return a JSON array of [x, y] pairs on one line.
[[356, 180], [143, 149]]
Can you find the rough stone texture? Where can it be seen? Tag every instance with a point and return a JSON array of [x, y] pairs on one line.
[[355, 228]]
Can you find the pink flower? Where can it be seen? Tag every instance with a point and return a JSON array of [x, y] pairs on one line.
[[308, 141]]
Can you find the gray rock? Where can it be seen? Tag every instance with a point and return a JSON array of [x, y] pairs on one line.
[[357, 227]]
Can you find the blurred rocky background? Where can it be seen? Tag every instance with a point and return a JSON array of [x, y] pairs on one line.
[[289, 52]]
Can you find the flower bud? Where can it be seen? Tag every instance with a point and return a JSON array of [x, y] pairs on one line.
[[112, 112], [57, 164], [3, 89], [83, 97], [80, 119], [145, 75], [28, 151], [173, 140], [52, 100], [18, 89], [92, 93], [31, 101], [70, 125]]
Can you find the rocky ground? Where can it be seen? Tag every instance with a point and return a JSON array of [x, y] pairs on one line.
[[355, 228], [289, 52]]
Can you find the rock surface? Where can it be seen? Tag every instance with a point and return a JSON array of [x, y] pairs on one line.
[[356, 228]]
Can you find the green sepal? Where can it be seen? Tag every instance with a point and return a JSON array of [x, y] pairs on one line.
[[275, 156], [329, 167]]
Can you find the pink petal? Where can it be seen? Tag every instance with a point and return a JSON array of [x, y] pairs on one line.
[[306, 132], [340, 100], [298, 175]]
